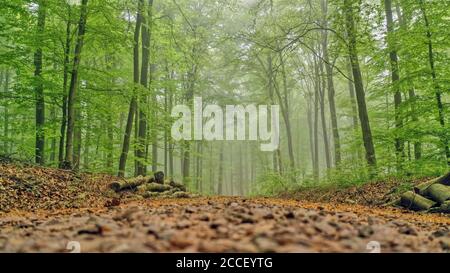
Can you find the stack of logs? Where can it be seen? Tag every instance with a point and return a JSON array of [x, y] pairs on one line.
[[431, 196], [151, 187]]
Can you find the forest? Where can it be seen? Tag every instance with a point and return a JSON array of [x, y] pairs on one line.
[[363, 87], [88, 88]]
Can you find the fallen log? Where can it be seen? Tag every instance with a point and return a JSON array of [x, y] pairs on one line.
[[150, 194], [411, 200], [181, 194], [178, 186], [444, 208], [154, 187], [393, 203], [444, 180], [129, 184], [438, 192], [158, 177]]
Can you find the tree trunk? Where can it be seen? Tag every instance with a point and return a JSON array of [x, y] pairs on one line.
[[284, 101], [142, 131], [310, 130], [351, 90], [39, 88], [133, 102], [220, 178], [399, 143], [411, 92], [6, 117], [74, 85], [87, 143], [437, 88], [53, 142], [76, 154], [321, 79], [316, 124], [359, 87], [110, 152], [331, 91], [64, 98]]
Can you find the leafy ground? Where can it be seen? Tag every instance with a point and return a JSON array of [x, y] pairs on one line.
[[374, 193], [34, 218]]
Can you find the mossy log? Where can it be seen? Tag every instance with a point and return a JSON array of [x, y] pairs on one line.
[[444, 208], [181, 194], [438, 192], [413, 201], [444, 180], [154, 187], [393, 203], [178, 186], [129, 184]]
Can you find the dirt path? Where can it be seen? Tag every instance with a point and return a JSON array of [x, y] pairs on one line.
[[225, 224]]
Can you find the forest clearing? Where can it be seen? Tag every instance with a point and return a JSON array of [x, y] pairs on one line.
[[224, 126]]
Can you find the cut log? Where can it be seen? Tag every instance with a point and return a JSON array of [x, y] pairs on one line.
[[154, 187], [181, 194], [178, 186], [421, 188], [444, 208], [393, 203], [438, 192], [129, 184], [159, 177], [413, 201], [150, 194]]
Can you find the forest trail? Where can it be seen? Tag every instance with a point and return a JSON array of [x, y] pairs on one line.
[[224, 224]]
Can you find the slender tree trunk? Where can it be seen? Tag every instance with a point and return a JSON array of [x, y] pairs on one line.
[[142, 131], [411, 92], [359, 87], [310, 130], [399, 143], [133, 103], [62, 130], [76, 155], [39, 88], [285, 109], [74, 85], [171, 145], [220, 178], [241, 172], [6, 116], [330, 85], [110, 147], [211, 168], [351, 90], [437, 88], [53, 142], [321, 79], [186, 145], [87, 142], [316, 124]]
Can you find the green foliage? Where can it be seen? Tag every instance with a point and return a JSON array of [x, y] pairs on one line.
[[233, 52]]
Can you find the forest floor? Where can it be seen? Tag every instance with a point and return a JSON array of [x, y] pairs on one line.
[[43, 209]]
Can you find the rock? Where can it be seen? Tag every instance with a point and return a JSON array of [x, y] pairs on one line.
[[408, 230], [112, 202], [25, 224], [365, 231], [289, 215], [265, 244]]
